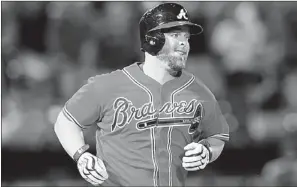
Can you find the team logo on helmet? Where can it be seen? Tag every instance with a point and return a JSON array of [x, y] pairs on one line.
[[182, 14]]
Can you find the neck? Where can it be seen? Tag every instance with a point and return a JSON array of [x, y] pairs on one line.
[[156, 69]]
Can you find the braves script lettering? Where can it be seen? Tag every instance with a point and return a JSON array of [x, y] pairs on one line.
[[125, 108]]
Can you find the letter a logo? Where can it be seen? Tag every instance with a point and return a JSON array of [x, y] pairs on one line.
[[182, 14]]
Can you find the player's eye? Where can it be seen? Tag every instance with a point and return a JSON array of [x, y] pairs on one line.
[[175, 35]]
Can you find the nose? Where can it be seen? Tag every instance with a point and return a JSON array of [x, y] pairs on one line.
[[183, 41]]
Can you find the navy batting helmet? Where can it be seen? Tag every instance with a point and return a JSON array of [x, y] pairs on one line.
[[157, 20]]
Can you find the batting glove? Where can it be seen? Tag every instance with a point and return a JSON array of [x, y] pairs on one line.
[[197, 156], [92, 169]]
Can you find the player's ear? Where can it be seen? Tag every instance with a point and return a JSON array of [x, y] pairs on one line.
[[153, 43]]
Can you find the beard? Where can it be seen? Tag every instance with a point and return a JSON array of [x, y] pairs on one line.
[[175, 63]]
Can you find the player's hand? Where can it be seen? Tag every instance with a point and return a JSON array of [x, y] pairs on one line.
[[92, 169], [196, 157]]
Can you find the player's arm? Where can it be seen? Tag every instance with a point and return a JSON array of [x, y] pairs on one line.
[[79, 112], [215, 131], [82, 110], [216, 147], [69, 134]]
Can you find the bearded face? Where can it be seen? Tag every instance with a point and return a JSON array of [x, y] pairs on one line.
[[175, 51]]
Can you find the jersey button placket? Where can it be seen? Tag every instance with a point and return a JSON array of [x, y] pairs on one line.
[[159, 105], [158, 131]]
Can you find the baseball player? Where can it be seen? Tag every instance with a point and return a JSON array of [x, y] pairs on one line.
[[155, 121]]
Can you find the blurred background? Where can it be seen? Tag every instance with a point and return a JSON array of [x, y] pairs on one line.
[[247, 57]]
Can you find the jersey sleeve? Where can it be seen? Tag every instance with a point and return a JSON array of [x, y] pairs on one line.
[[86, 105], [214, 123]]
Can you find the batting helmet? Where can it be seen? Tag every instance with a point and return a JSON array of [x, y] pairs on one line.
[[157, 20]]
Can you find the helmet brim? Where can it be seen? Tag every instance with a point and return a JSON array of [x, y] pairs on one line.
[[194, 28]]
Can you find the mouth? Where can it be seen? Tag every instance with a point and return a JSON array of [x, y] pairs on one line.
[[181, 52]]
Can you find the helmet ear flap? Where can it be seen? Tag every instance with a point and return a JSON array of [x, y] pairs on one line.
[[153, 42]]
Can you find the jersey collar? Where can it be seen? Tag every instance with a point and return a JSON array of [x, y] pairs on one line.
[[137, 73]]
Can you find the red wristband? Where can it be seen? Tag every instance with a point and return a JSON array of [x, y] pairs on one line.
[[80, 151]]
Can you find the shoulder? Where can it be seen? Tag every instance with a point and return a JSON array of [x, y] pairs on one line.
[[105, 76], [201, 88], [106, 79]]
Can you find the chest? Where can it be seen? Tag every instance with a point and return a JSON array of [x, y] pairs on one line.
[[133, 111]]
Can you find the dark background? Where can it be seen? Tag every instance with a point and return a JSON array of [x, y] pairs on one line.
[[246, 56]]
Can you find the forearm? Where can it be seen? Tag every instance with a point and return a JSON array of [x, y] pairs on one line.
[[69, 134], [216, 146]]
